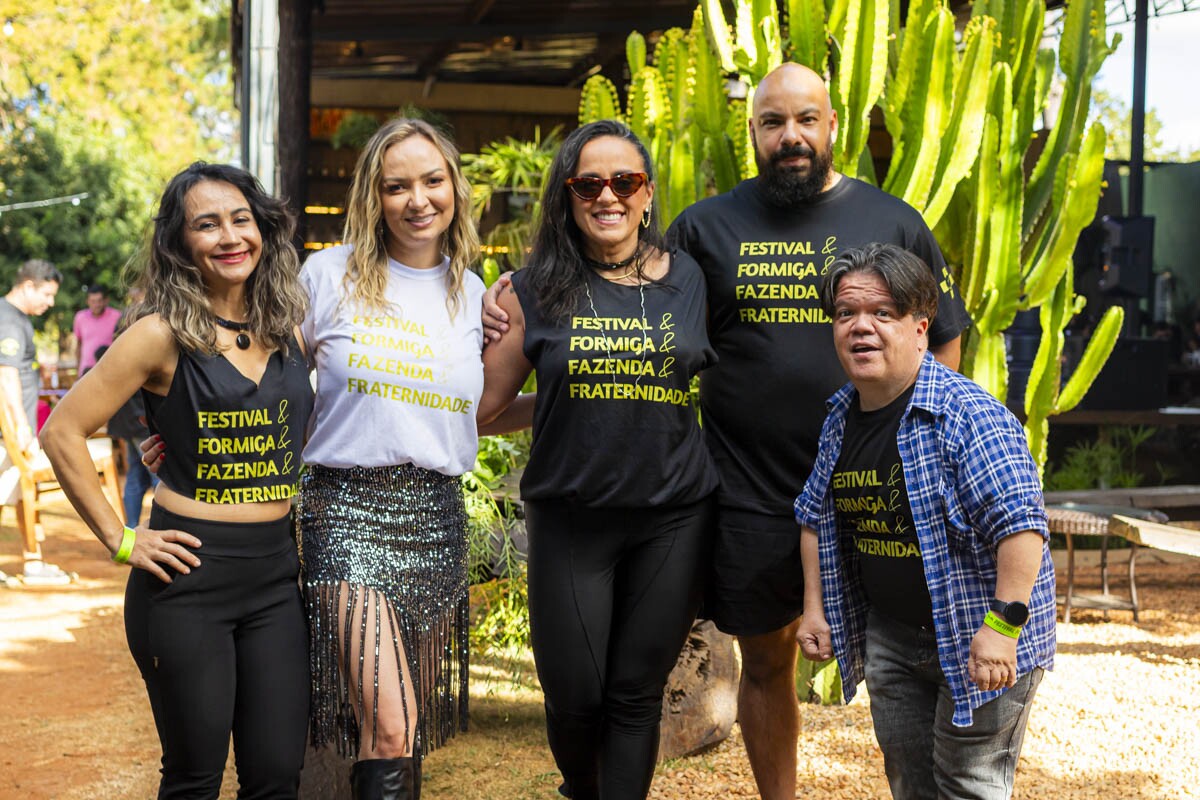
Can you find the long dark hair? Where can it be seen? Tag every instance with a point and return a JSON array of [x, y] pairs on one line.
[[275, 301], [556, 269]]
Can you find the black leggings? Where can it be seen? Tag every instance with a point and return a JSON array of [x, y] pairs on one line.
[[225, 649], [612, 596]]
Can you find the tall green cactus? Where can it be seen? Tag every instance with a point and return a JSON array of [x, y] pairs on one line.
[[961, 116], [1014, 238], [697, 137]]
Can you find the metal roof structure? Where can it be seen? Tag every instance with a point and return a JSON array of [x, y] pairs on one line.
[[529, 42]]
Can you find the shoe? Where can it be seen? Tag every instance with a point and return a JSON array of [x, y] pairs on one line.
[[39, 573], [384, 779]]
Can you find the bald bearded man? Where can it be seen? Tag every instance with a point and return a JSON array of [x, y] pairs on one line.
[[764, 246]]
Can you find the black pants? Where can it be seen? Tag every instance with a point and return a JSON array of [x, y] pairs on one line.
[[612, 596], [225, 649]]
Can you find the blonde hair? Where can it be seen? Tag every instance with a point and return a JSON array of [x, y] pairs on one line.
[[165, 270], [366, 230]]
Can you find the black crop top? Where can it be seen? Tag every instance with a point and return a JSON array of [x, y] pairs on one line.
[[227, 439]]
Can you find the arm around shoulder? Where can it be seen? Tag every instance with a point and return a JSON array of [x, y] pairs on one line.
[[505, 367]]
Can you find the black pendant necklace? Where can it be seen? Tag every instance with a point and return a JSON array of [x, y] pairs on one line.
[[243, 339]]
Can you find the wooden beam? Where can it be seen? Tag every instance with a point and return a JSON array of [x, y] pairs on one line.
[[353, 30], [1171, 538], [500, 98], [475, 14], [609, 47]]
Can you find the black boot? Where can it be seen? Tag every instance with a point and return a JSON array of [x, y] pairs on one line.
[[384, 779]]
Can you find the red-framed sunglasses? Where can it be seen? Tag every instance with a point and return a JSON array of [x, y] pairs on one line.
[[623, 184]]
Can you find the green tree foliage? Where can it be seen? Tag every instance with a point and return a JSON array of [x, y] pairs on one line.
[[1117, 119], [155, 74], [109, 97], [89, 242]]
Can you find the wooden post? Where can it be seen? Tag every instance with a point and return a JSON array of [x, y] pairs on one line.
[[295, 79]]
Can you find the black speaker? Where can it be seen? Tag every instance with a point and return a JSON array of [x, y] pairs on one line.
[[1133, 379], [1127, 255]]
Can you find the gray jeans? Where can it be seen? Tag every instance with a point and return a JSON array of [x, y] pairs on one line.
[[925, 756]]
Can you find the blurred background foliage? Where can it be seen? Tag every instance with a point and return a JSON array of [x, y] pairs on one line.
[[111, 98]]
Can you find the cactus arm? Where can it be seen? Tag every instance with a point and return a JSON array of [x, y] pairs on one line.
[[964, 132], [859, 83], [717, 30], [895, 100], [807, 40], [1004, 235], [1082, 50], [1098, 349], [598, 100], [1041, 395], [710, 109], [681, 182], [1075, 211], [635, 52], [989, 368], [925, 114]]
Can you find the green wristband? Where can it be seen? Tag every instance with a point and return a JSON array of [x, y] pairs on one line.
[[126, 549], [993, 621]]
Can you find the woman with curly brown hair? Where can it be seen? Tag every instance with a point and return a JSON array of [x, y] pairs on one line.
[[213, 612]]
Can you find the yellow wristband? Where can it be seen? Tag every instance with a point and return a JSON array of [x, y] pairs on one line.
[[993, 621], [126, 549]]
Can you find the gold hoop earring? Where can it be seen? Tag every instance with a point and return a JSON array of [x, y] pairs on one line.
[[646, 217]]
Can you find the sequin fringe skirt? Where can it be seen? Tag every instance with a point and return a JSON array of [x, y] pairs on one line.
[[386, 544]]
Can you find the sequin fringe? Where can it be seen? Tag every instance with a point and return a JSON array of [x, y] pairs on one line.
[[386, 544]]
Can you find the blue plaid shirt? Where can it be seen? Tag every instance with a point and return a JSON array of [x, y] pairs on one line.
[[971, 482]]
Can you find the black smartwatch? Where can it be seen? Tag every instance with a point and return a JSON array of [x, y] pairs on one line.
[[1015, 613]]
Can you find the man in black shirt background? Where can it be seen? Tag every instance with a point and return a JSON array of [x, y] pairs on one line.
[[763, 247]]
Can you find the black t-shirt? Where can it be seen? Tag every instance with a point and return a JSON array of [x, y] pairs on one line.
[[17, 350], [614, 424], [229, 440], [870, 497], [764, 401]]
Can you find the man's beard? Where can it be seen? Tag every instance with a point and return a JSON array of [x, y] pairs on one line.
[[787, 187]]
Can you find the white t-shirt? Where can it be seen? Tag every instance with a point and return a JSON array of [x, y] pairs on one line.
[[393, 387]]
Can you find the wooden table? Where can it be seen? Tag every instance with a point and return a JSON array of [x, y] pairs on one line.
[[1075, 519]]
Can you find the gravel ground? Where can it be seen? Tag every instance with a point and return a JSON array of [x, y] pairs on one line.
[[1119, 717]]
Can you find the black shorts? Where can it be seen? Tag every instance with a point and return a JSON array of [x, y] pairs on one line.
[[757, 583]]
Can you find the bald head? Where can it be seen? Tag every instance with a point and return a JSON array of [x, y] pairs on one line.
[[793, 79], [793, 127]]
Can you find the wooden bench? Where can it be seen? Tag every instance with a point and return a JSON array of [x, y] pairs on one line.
[[1139, 525]]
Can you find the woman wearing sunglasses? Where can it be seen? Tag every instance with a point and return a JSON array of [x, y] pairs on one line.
[[619, 484]]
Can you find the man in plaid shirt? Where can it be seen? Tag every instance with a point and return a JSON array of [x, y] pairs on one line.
[[924, 542]]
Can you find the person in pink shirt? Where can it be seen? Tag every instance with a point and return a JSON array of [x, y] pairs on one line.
[[94, 326]]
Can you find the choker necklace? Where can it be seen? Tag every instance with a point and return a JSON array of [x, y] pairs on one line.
[[608, 266], [243, 339]]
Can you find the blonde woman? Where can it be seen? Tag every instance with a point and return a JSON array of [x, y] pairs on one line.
[[394, 327], [213, 612]]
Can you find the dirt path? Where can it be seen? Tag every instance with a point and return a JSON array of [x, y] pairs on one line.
[[1117, 718]]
